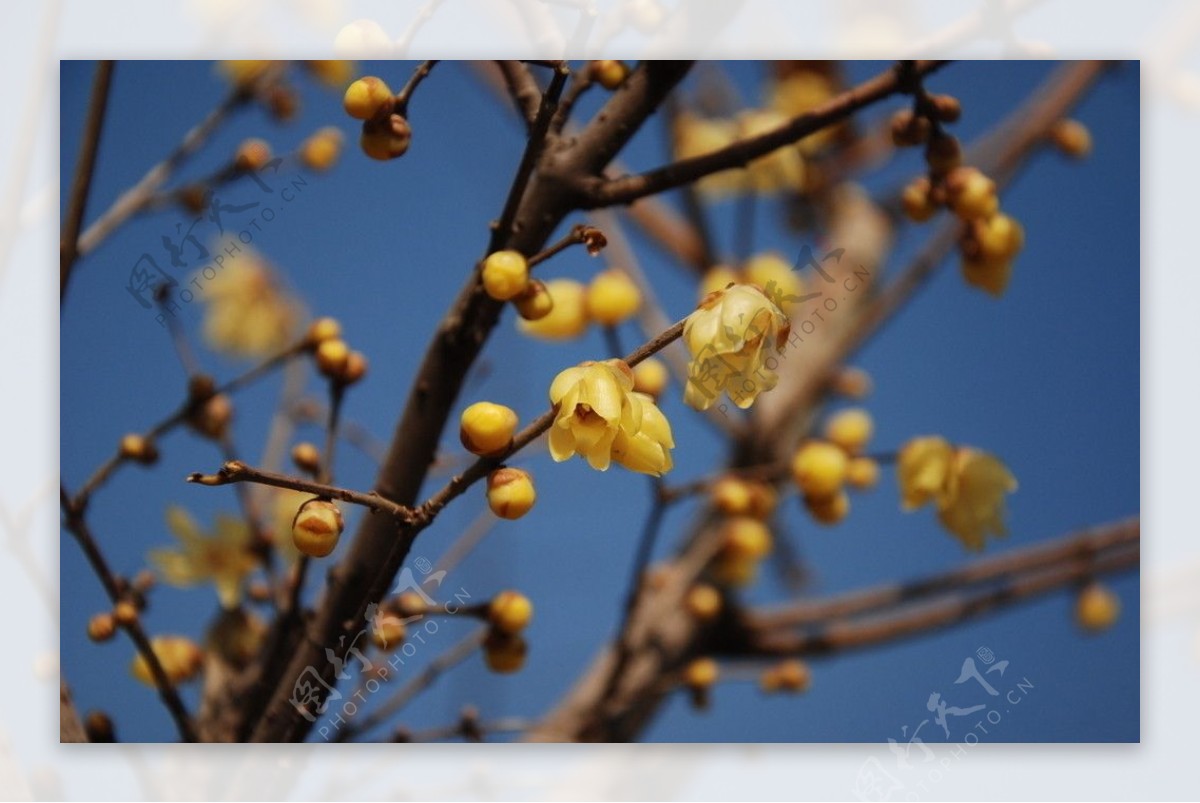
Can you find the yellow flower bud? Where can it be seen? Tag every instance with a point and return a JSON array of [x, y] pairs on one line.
[[850, 429], [854, 383], [717, 278], [252, 154], [323, 329], [998, 238], [180, 657], [828, 509], [568, 317], [774, 276], [504, 654], [534, 302], [609, 73], [505, 274], [410, 604], [1097, 607], [366, 96], [909, 129], [487, 429], [322, 149], [213, 417], [332, 356], [650, 377], [703, 602], [99, 728], [317, 527], [731, 495], [991, 276], [355, 369], [917, 201], [1072, 138], [509, 612], [139, 449], [102, 627], [792, 675], [510, 492], [306, 457], [125, 613], [971, 194], [946, 107], [819, 468], [387, 633], [862, 473], [701, 673], [744, 537], [762, 500], [613, 297], [386, 138]]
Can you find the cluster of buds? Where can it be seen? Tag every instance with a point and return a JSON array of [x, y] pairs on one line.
[[823, 468], [746, 539], [336, 361], [991, 239], [386, 133]]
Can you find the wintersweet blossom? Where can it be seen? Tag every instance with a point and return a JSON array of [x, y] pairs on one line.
[[600, 417], [223, 558], [731, 336]]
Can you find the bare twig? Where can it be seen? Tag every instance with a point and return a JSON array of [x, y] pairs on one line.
[[93, 128]]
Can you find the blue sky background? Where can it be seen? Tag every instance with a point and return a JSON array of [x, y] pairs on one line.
[[1047, 378]]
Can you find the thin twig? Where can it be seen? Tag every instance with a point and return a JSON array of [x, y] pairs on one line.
[[405, 95]]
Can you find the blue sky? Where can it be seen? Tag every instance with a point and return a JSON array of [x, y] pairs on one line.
[[1047, 378]]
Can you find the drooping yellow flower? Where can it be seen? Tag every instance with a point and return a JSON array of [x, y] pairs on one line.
[[248, 314], [922, 469], [601, 418], [732, 336], [223, 558], [972, 506], [968, 485]]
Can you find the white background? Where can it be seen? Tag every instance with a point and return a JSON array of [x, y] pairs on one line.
[[1164, 34]]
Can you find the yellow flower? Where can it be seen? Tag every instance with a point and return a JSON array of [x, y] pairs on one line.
[[972, 505], [567, 318], [922, 469], [731, 337], [181, 659], [600, 417], [648, 450], [224, 558], [248, 314]]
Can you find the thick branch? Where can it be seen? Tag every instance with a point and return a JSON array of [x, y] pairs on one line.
[[629, 188]]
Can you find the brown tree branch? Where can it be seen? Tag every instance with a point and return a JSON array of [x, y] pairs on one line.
[[602, 192], [85, 167]]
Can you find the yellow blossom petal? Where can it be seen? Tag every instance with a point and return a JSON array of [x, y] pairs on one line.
[[922, 470]]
